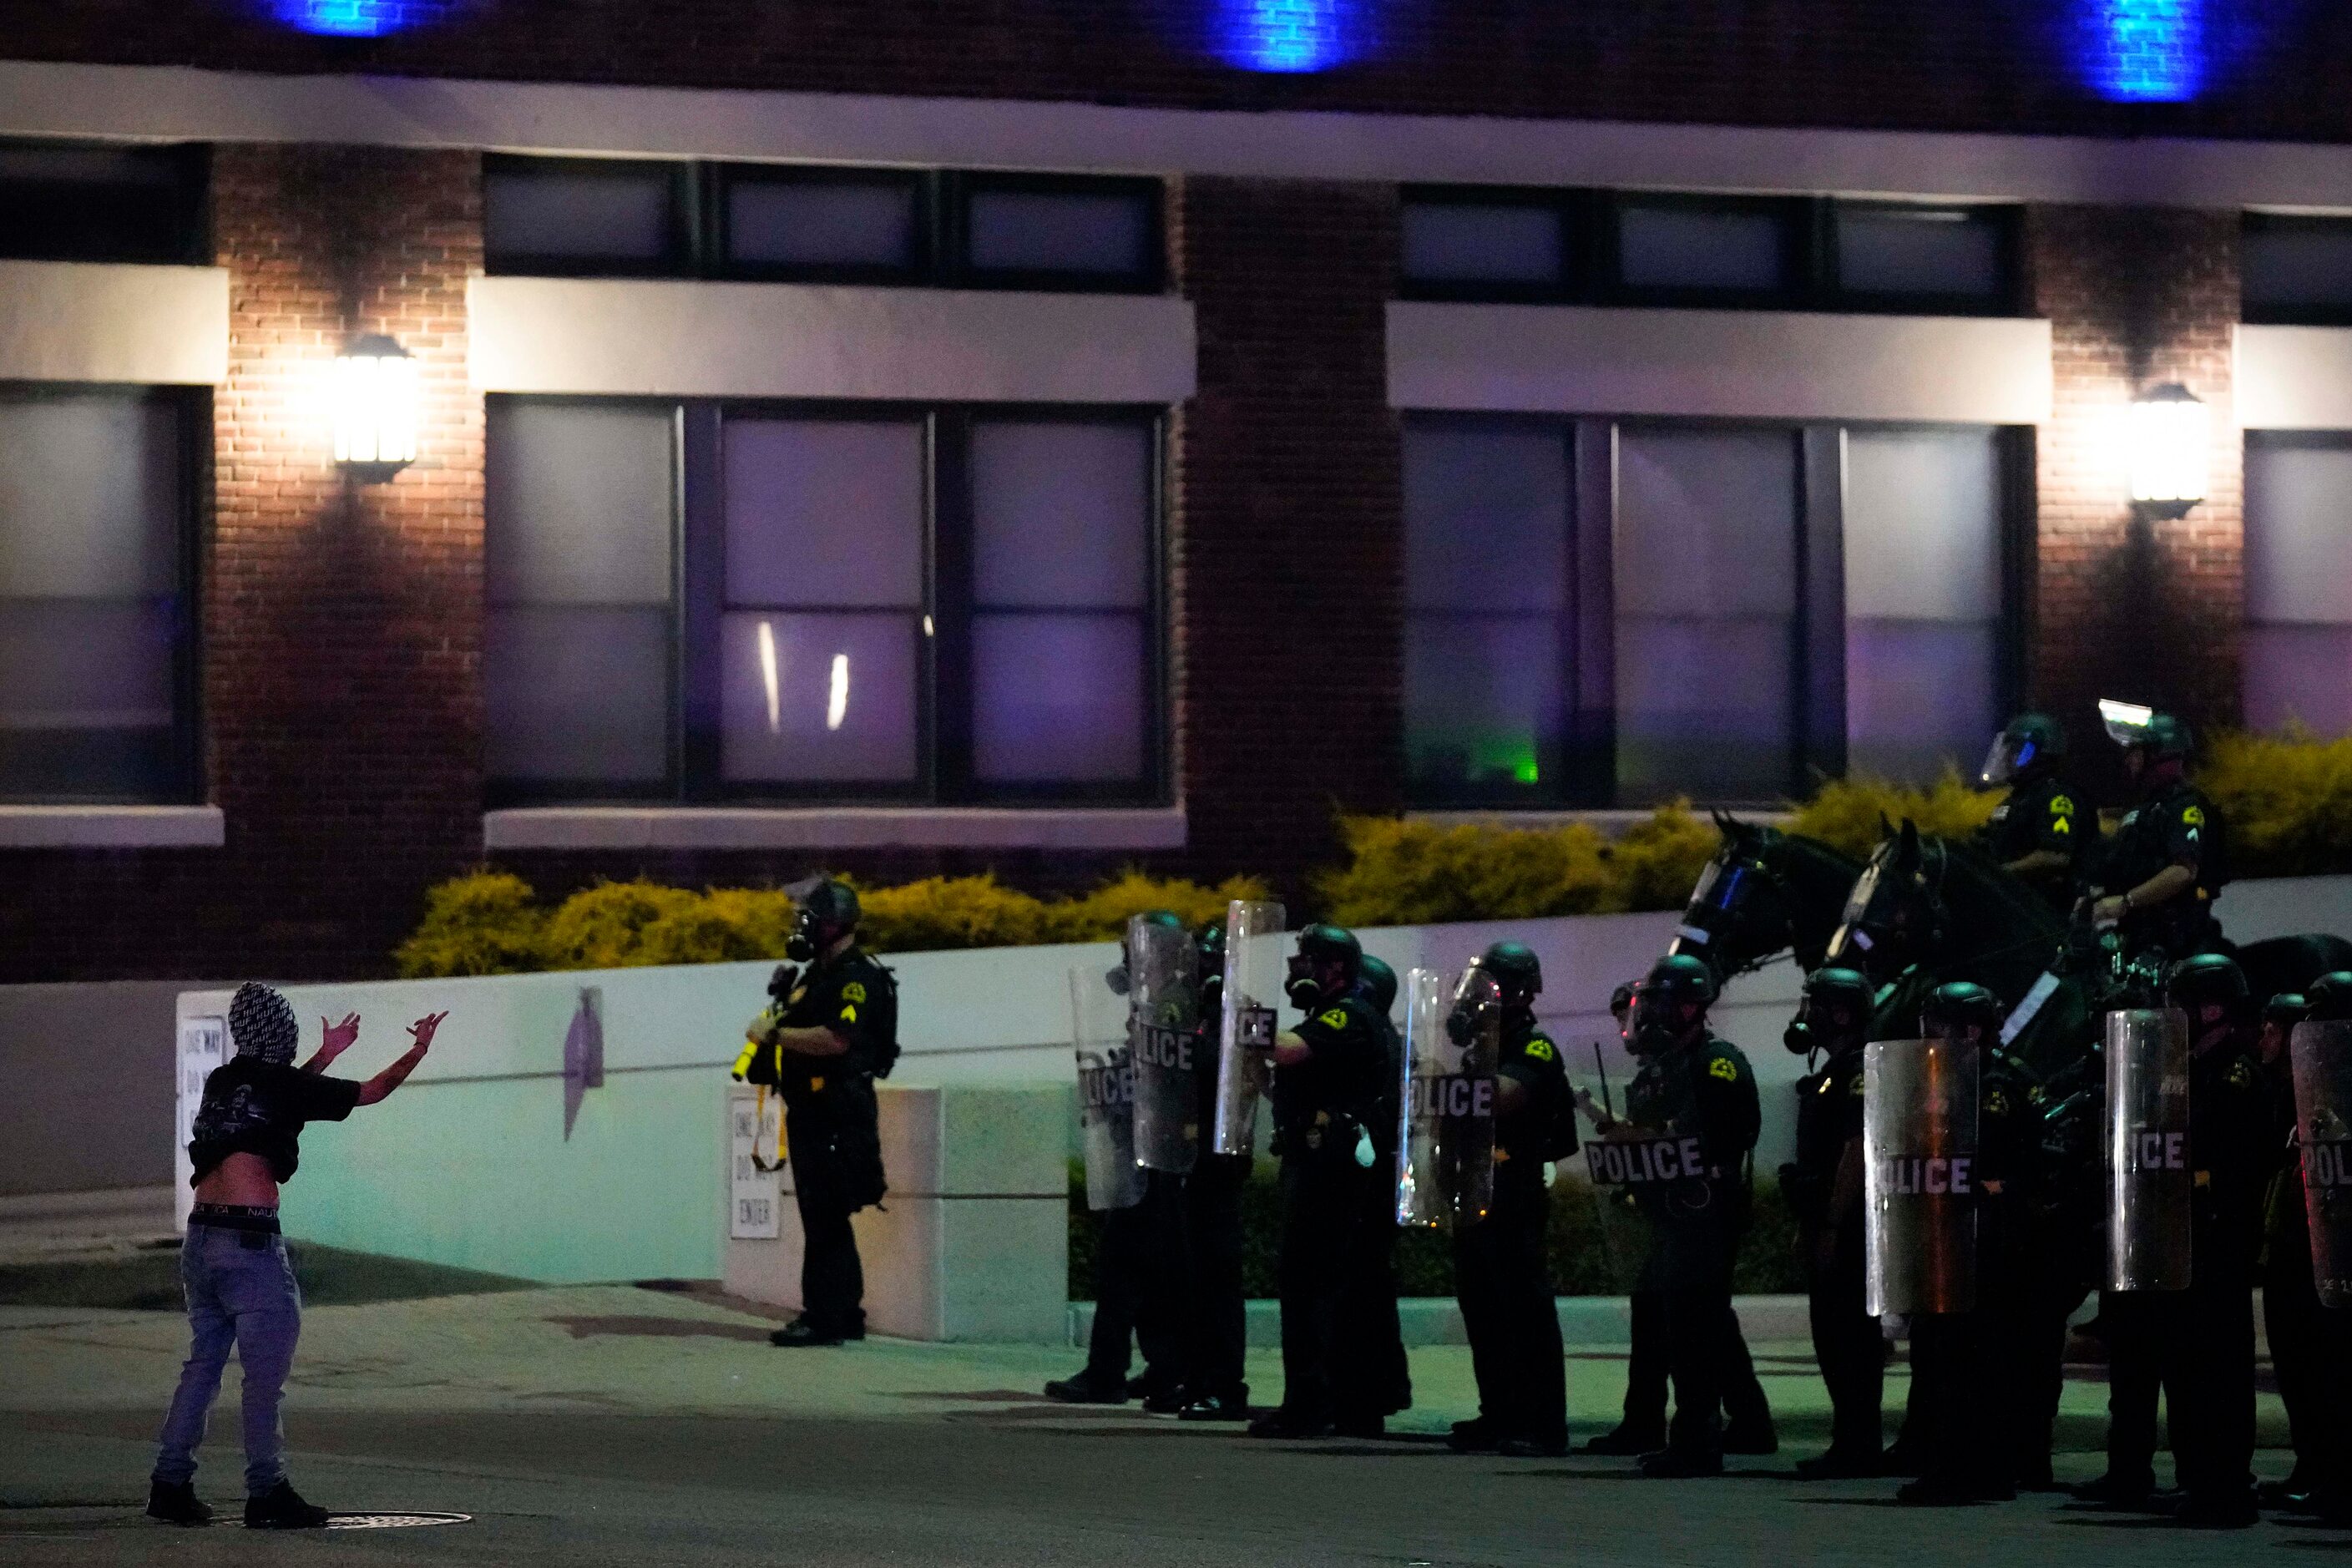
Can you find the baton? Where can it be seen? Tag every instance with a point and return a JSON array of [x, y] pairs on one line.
[[1603, 1068]]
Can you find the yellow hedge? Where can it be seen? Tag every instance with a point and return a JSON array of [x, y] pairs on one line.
[[1405, 872], [1847, 814], [2287, 799], [490, 923]]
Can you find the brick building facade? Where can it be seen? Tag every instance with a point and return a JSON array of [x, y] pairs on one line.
[[343, 716]]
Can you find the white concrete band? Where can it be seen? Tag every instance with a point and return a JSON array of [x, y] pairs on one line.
[[112, 828], [784, 339], [2294, 378], [1722, 364], [831, 827], [144, 326], [174, 103]]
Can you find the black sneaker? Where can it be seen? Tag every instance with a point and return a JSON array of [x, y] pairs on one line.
[[1632, 1441], [1751, 1438], [1835, 1466], [1217, 1407], [1361, 1426], [1678, 1464], [801, 1334], [1281, 1424], [1474, 1437], [1084, 1389], [282, 1507], [2236, 1511], [175, 1502], [2112, 1491], [1937, 1491], [1532, 1447], [1166, 1399]]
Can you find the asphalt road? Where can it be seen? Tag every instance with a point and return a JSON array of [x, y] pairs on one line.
[[608, 1426]]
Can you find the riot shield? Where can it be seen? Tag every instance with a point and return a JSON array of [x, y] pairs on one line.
[[1105, 1093], [1919, 1154], [1445, 1133], [2323, 1125], [1255, 968], [1164, 993], [2150, 1179]]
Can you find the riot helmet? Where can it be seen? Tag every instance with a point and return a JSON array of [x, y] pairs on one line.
[[828, 911], [1517, 971], [1956, 1009], [1620, 1001], [1380, 983], [1118, 979], [2210, 988], [2330, 996], [1321, 948], [2147, 737], [1833, 1013], [2281, 1014], [1671, 1002], [2029, 746]]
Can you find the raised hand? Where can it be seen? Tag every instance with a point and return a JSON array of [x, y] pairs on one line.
[[334, 1039], [422, 1030]]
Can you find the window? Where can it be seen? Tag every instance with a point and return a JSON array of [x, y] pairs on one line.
[[2296, 269], [96, 675], [1601, 247], [2298, 649], [1608, 614], [61, 202], [792, 602], [791, 223]]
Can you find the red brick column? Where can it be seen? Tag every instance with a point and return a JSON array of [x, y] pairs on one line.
[[2145, 609], [1287, 543]]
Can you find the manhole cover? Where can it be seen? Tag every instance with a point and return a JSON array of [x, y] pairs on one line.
[[393, 1521]]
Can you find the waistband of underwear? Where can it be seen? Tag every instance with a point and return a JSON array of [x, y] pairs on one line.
[[236, 1216]]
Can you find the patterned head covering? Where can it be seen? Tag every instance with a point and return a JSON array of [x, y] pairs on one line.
[[262, 1024]]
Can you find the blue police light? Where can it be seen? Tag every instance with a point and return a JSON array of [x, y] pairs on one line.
[[2145, 51], [355, 18], [1290, 36]]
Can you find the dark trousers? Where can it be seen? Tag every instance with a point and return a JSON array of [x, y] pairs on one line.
[[1695, 1272], [1850, 1352], [2198, 1346], [1216, 1321], [1328, 1207], [1503, 1280], [1646, 1369], [2311, 1351], [1139, 1264], [1374, 1376], [2053, 1290], [832, 1281], [1956, 1417]]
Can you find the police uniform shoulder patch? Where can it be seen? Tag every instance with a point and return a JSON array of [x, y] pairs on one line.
[[849, 1013], [1336, 1018], [1723, 1068], [854, 992], [2194, 817], [1854, 1086], [1996, 1103], [1541, 1050], [2241, 1075], [2062, 806]]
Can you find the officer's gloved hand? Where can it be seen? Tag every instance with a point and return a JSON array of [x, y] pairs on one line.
[[1116, 978], [781, 981]]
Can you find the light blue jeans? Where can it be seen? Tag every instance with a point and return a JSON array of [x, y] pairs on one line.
[[240, 1291]]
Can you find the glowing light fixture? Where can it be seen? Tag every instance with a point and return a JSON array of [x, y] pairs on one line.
[[2169, 433], [374, 401], [836, 696], [768, 678], [355, 18], [1290, 35], [2144, 51]]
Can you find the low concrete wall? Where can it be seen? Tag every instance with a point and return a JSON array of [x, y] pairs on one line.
[[86, 1086]]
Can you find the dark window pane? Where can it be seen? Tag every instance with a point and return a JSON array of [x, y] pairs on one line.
[[1732, 249], [1105, 234], [2299, 675], [820, 697], [1950, 252], [821, 223], [1057, 697], [2298, 642], [825, 513], [1487, 516], [573, 214], [2297, 263], [63, 203], [581, 498], [1464, 242], [579, 694], [1484, 698], [89, 616], [1061, 514]]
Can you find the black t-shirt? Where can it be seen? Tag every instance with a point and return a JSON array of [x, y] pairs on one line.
[[855, 998], [253, 1107], [1342, 1075]]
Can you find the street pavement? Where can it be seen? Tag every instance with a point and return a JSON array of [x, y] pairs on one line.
[[611, 1425]]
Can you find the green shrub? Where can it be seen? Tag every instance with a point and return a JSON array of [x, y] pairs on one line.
[[1848, 815], [1103, 913], [618, 925], [487, 922], [1401, 871], [2287, 799]]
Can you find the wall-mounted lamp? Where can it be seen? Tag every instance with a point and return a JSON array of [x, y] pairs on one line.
[[373, 400], [2170, 434]]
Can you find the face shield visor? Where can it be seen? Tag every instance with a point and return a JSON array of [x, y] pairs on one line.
[[2127, 722], [2010, 756]]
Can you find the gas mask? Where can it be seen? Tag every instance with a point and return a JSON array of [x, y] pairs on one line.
[[1303, 989]]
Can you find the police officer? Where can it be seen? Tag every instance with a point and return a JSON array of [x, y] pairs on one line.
[[2330, 1359], [1502, 1275], [1139, 1268], [2200, 1342], [1966, 1366], [1327, 1079], [1824, 1187], [2039, 833], [2169, 857], [1702, 1088], [1216, 1313], [2290, 1304], [1373, 1335], [833, 1029]]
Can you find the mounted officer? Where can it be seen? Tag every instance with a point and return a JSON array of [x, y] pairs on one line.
[[2169, 857], [2040, 833]]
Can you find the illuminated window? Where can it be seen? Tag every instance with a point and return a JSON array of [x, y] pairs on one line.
[[2298, 641]]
